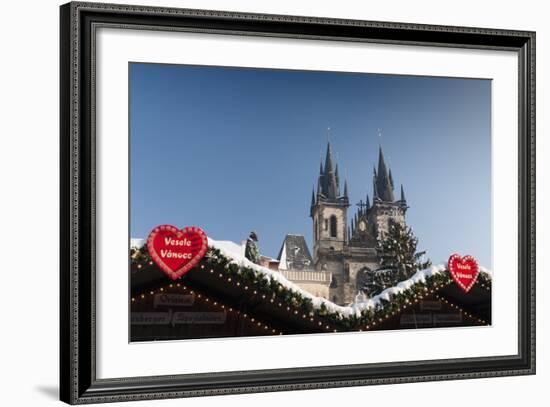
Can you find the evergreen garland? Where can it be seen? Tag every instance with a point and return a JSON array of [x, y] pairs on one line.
[[273, 289]]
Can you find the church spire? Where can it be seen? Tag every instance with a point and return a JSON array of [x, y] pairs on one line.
[[382, 170], [374, 187], [313, 197], [328, 183], [328, 159], [332, 186], [402, 194], [329, 177], [384, 182], [368, 202]]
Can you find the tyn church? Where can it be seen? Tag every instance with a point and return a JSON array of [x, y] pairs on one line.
[[344, 256]]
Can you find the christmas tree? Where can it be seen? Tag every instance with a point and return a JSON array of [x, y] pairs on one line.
[[398, 259]]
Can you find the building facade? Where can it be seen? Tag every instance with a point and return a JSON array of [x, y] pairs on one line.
[[345, 252]]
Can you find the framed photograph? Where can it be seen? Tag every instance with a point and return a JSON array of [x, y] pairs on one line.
[[256, 203]]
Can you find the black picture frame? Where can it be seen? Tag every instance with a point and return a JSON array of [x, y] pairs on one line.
[[78, 382]]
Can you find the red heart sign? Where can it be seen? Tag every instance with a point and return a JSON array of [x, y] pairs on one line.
[[464, 271], [177, 251]]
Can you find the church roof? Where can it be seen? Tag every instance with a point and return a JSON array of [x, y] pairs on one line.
[[383, 180], [328, 185], [294, 254]]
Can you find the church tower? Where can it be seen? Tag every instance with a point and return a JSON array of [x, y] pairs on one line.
[[360, 234], [348, 255], [329, 212], [385, 209]]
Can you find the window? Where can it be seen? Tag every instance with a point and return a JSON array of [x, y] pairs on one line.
[[333, 224], [316, 228]]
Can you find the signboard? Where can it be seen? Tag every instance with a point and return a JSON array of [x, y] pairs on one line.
[[173, 300], [150, 318], [199, 318]]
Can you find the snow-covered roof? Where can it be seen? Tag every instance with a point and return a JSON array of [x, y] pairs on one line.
[[137, 243], [235, 253], [294, 254]]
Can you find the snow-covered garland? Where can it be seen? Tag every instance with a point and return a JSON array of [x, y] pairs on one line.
[[273, 285]]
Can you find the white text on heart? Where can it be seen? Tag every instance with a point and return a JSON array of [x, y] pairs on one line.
[[168, 241]]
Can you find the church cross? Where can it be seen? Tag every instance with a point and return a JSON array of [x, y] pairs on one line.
[[361, 205]]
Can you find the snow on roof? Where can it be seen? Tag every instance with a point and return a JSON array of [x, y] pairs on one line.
[[486, 271], [282, 258], [419, 277], [235, 253], [137, 243], [294, 253]]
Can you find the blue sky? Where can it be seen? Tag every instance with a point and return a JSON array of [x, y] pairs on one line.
[[233, 150]]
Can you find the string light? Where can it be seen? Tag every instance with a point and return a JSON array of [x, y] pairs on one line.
[[255, 292], [246, 288], [462, 311], [413, 298], [230, 310]]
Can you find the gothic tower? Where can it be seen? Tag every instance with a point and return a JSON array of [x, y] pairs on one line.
[[360, 235], [329, 211], [350, 254], [385, 209]]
